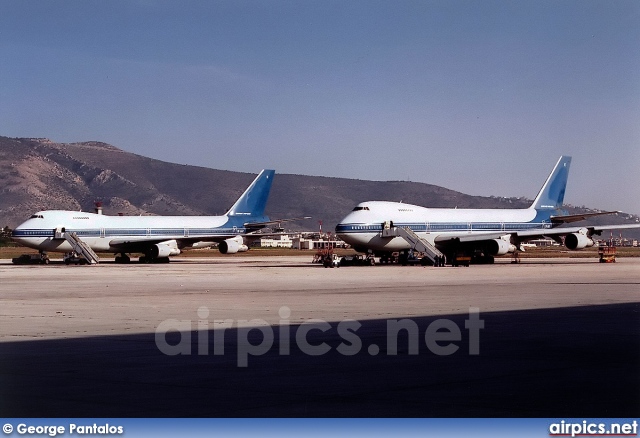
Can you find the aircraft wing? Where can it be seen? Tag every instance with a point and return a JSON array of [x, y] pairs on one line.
[[471, 237], [537, 233], [596, 229], [139, 244]]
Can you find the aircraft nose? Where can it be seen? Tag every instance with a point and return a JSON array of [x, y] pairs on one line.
[[15, 233], [18, 232], [340, 224], [348, 219], [341, 227]]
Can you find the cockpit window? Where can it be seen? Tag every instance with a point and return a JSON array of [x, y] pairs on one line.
[[360, 208], [37, 216]]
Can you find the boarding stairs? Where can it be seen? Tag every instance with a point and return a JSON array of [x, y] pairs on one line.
[[417, 243], [81, 248]]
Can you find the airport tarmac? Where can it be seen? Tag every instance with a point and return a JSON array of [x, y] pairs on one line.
[[560, 338]]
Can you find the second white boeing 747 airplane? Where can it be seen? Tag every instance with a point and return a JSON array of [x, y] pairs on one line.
[[381, 228], [157, 237]]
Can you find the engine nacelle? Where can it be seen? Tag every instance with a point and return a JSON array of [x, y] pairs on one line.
[[577, 241], [499, 247], [232, 246], [164, 249]]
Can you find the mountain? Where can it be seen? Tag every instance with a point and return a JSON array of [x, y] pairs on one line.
[[39, 174]]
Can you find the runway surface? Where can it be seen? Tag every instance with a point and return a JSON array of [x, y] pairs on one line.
[[560, 338]]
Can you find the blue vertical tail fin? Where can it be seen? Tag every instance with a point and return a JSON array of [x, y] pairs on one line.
[[254, 200], [551, 195]]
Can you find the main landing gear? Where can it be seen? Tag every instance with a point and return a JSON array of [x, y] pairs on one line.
[[122, 258], [149, 259]]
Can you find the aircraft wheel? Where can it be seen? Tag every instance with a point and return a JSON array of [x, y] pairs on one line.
[[122, 259]]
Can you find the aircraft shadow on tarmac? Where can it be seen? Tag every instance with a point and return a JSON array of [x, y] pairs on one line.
[[563, 362], [273, 261]]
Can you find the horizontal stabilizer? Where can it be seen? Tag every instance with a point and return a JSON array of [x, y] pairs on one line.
[[577, 217], [258, 225]]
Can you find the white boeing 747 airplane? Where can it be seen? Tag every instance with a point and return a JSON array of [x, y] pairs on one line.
[[381, 228], [157, 237]]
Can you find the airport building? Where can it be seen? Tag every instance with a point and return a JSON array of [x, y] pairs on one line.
[[302, 243], [313, 242], [543, 243], [279, 242]]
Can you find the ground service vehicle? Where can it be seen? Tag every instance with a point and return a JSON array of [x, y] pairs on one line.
[[31, 259]]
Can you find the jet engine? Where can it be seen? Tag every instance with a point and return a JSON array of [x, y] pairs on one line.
[[499, 247], [232, 246], [577, 241], [164, 249]]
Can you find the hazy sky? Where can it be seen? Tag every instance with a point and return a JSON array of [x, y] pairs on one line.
[[477, 96]]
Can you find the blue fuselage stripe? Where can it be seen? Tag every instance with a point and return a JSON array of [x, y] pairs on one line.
[[446, 227], [115, 232]]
